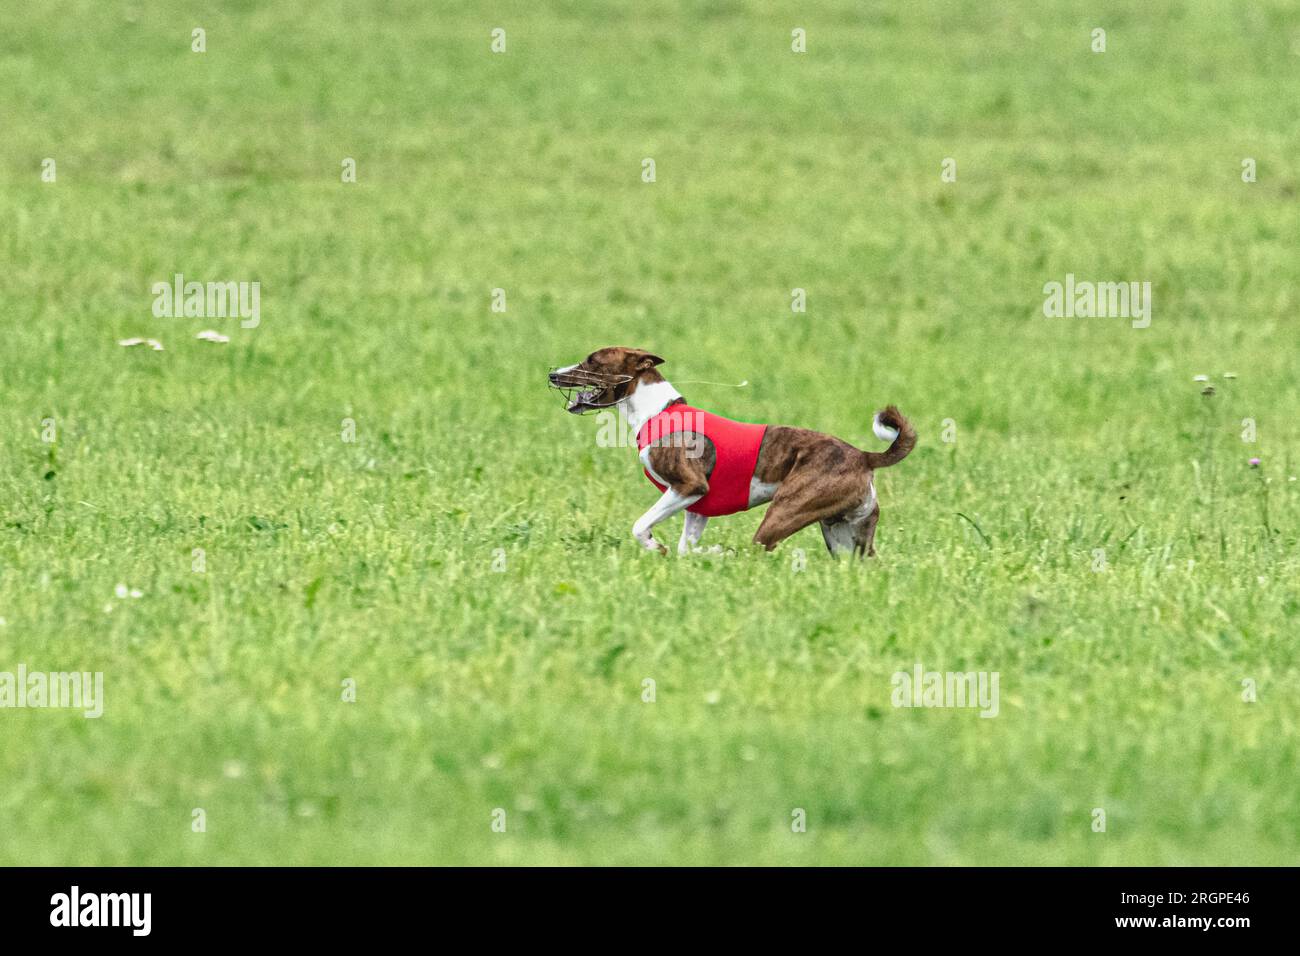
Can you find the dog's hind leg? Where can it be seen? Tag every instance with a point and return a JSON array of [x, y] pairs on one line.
[[825, 485], [864, 533], [669, 503], [692, 531], [795, 507]]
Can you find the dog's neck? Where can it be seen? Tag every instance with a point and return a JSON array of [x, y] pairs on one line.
[[646, 401]]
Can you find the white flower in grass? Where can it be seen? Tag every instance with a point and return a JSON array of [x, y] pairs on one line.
[[1200, 378], [152, 343], [211, 335]]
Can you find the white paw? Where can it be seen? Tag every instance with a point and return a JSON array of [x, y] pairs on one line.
[[648, 542]]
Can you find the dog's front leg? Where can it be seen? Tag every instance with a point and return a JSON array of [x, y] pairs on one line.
[[668, 505], [692, 531]]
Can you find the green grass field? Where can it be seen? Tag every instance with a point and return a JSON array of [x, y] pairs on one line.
[[521, 689]]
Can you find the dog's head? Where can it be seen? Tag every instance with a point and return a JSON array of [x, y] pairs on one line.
[[605, 377]]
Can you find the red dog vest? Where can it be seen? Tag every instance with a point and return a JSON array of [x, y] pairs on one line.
[[736, 443]]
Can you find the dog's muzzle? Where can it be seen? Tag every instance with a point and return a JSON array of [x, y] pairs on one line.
[[582, 389]]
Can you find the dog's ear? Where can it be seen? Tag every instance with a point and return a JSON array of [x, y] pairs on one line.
[[645, 360]]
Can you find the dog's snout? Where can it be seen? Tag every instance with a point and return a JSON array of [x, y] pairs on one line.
[[562, 376]]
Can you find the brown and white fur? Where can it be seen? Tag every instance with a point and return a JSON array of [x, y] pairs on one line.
[[807, 476]]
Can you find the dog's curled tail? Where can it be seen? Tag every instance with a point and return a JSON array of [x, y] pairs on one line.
[[890, 425]]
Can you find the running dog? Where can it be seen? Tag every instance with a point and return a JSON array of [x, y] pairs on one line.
[[708, 466]]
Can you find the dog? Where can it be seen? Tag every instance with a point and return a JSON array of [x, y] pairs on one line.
[[708, 466]]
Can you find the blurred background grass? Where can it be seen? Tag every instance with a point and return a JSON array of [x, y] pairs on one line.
[[522, 690]]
